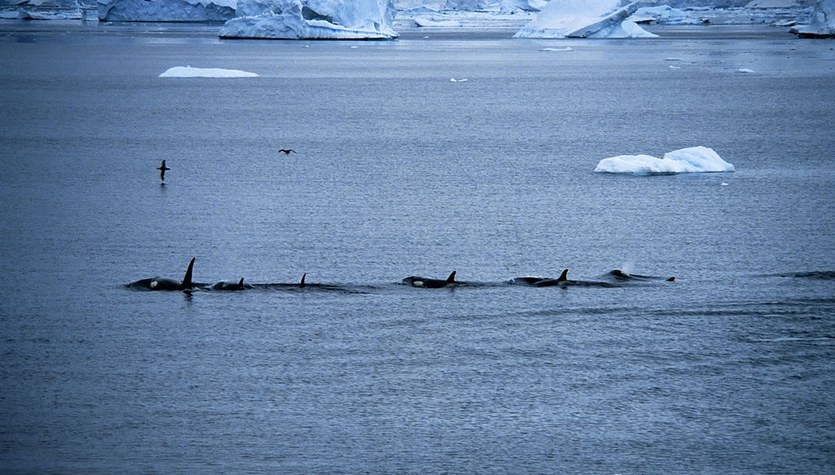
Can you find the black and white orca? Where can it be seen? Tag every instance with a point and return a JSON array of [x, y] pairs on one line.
[[423, 282], [163, 283], [561, 281], [240, 285]]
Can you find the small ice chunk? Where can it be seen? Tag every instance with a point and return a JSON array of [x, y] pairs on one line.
[[189, 72]]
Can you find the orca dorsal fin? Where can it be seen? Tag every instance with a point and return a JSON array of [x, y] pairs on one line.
[[564, 276], [241, 283], [451, 278], [187, 284], [301, 284]]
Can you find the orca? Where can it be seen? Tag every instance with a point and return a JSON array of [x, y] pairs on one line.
[[527, 280], [162, 283], [286, 151], [561, 281], [240, 285], [301, 284], [423, 282], [625, 276], [541, 281]]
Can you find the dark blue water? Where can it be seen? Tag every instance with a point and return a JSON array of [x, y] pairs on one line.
[[400, 172]]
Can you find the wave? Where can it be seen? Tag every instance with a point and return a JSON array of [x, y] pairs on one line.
[[816, 275]]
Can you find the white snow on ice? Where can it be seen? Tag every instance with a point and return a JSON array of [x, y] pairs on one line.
[[686, 160], [189, 72]]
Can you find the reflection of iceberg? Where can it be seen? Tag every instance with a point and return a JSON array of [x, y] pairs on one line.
[[686, 160], [585, 19], [823, 21], [312, 19]]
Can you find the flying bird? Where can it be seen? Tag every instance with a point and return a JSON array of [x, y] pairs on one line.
[[286, 151], [162, 168]]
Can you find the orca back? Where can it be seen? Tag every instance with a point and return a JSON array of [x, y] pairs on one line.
[[187, 283]]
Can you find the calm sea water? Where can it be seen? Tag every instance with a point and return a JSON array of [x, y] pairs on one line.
[[401, 171]]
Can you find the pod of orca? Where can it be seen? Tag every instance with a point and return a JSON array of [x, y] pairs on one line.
[[615, 278]]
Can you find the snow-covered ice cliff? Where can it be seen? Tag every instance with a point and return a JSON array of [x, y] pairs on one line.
[[312, 19], [168, 10]]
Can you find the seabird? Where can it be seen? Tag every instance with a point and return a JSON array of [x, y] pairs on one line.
[[162, 168], [286, 151]]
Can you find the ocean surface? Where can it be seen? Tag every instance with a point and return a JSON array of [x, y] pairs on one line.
[[401, 171]]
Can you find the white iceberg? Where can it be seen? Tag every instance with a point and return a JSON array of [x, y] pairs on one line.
[[168, 10], [686, 160], [189, 72], [312, 19], [522, 5], [822, 24], [585, 19]]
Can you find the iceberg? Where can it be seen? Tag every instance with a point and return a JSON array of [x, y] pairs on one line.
[[166, 11], [585, 19], [312, 19], [41, 9], [189, 72], [822, 24], [522, 5], [686, 160]]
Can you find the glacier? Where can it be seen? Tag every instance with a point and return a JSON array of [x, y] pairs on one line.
[[312, 19], [166, 11], [585, 19], [687, 160], [375, 19]]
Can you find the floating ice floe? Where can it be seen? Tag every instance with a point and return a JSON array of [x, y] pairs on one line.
[[168, 10], [686, 160], [822, 24], [312, 19], [189, 72], [585, 19]]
